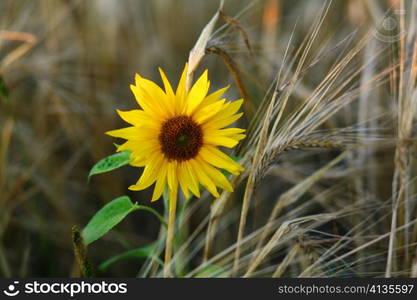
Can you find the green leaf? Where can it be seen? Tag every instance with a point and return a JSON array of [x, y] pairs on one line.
[[112, 214], [144, 252], [3, 89], [111, 162], [106, 218], [211, 271]]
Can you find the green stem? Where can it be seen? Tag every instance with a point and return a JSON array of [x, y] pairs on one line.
[[182, 233], [172, 200], [151, 210]]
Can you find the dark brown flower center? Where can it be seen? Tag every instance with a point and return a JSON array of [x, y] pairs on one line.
[[181, 138]]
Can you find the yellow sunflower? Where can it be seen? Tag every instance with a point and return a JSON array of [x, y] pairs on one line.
[[175, 136]]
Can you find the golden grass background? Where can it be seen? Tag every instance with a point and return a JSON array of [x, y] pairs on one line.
[[329, 187]]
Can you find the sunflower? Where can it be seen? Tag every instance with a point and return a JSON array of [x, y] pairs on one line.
[[175, 136]]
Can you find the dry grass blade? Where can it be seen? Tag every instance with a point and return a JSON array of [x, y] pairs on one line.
[[407, 107], [215, 213], [234, 71], [294, 194], [283, 229], [199, 50], [29, 41], [263, 137], [236, 24], [286, 261], [359, 248], [330, 181]]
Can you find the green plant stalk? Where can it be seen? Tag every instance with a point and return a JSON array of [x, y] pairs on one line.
[[151, 210], [183, 231], [172, 200]]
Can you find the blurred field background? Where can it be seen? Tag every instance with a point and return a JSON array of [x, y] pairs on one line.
[[347, 100]]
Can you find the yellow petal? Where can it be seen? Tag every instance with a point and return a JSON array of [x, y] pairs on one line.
[[144, 102], [213, 97], [224, 132], [206, 112], [181, 93], [215, 136], [227, 113], [216, 123], [138, 161], [168, 88], [181, 83], [238, 137], [149, 174], [156, 96], [231, 108], [224, 141], [197, 93], [218, 159], [204, 179], [150, 147], [172, 181], [160, 183], [171, 101], [135, 134], [216, 176], [173, 194], [172, 174], [125, 133], [192, 179], [138, 117], [182, 179]]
